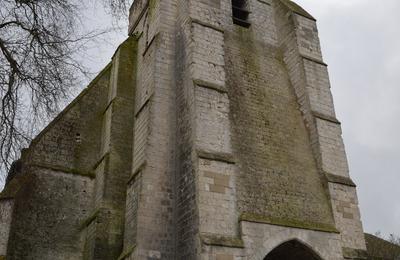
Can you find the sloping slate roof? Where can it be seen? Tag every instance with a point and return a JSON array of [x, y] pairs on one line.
[[378, 248]]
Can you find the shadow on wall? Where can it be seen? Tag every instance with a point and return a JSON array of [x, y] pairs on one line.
[[292, 250]]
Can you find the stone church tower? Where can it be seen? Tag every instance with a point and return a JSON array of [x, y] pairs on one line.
[[211, 135]]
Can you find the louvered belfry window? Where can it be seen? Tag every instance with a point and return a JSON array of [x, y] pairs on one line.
[[240, 13]]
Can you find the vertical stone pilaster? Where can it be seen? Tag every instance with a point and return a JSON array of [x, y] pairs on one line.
[[215, 167], [150, 216], [105, 239], [186, 200], [206, 170]]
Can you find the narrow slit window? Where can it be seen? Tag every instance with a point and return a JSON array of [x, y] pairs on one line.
[[240, 14]]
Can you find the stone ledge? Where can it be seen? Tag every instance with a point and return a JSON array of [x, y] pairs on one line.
[[145, 103], [340, 179], [313, 60], [351, 253], [87, 221], [109, 105], [264, 2], [62, 169], [325, 117], [115, 100], [150, 44], [137, 171], [255, 218], [105, 155], [205, 24], [216, 156], [132, 28], [224, 241], [210, 85], [127, 252]]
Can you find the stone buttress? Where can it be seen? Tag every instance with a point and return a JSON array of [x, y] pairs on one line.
[[66, 199], [211, 135]]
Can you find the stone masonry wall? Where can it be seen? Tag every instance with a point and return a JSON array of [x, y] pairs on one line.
[[348, 219], [105, 224], [284, 135], [47, 216], [6, 208], [309, 76], [209, 168], [150, 230], [186, 205], [56, 197], [270, 138], [262, 239], [201, 140], [75, 132]]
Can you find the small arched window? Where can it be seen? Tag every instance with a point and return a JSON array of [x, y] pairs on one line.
[[240, 13]]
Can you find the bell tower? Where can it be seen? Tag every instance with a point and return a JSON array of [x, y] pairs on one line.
[[236, 100], [211, 135]]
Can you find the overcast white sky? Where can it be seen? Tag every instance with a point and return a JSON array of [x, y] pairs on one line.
[[361, 43]]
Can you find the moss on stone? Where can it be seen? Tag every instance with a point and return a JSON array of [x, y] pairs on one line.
[[278, 176], [130, 44], [351, 253], [215, 240], [72, 104], [126, 70], [152, 7], [377, 248], [12, 188], [65, 170], [127, 252], [250, 217], [86, 222], [137, 171], [247, 48]]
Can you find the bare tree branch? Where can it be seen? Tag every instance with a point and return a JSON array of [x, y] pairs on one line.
[[38, 68], [39, 43]]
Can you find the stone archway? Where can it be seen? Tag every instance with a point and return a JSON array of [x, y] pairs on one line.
[[292, 250]]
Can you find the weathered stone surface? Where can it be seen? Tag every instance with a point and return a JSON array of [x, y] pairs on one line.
[[378, 248], [202, 139], [47, 214], [6, 208]]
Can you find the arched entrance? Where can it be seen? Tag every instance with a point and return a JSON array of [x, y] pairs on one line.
[[292, 250]]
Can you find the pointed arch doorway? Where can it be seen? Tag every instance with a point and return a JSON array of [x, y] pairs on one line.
[[292, 250]]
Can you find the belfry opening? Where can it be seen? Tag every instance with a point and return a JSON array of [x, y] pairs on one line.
[[292, 250]]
